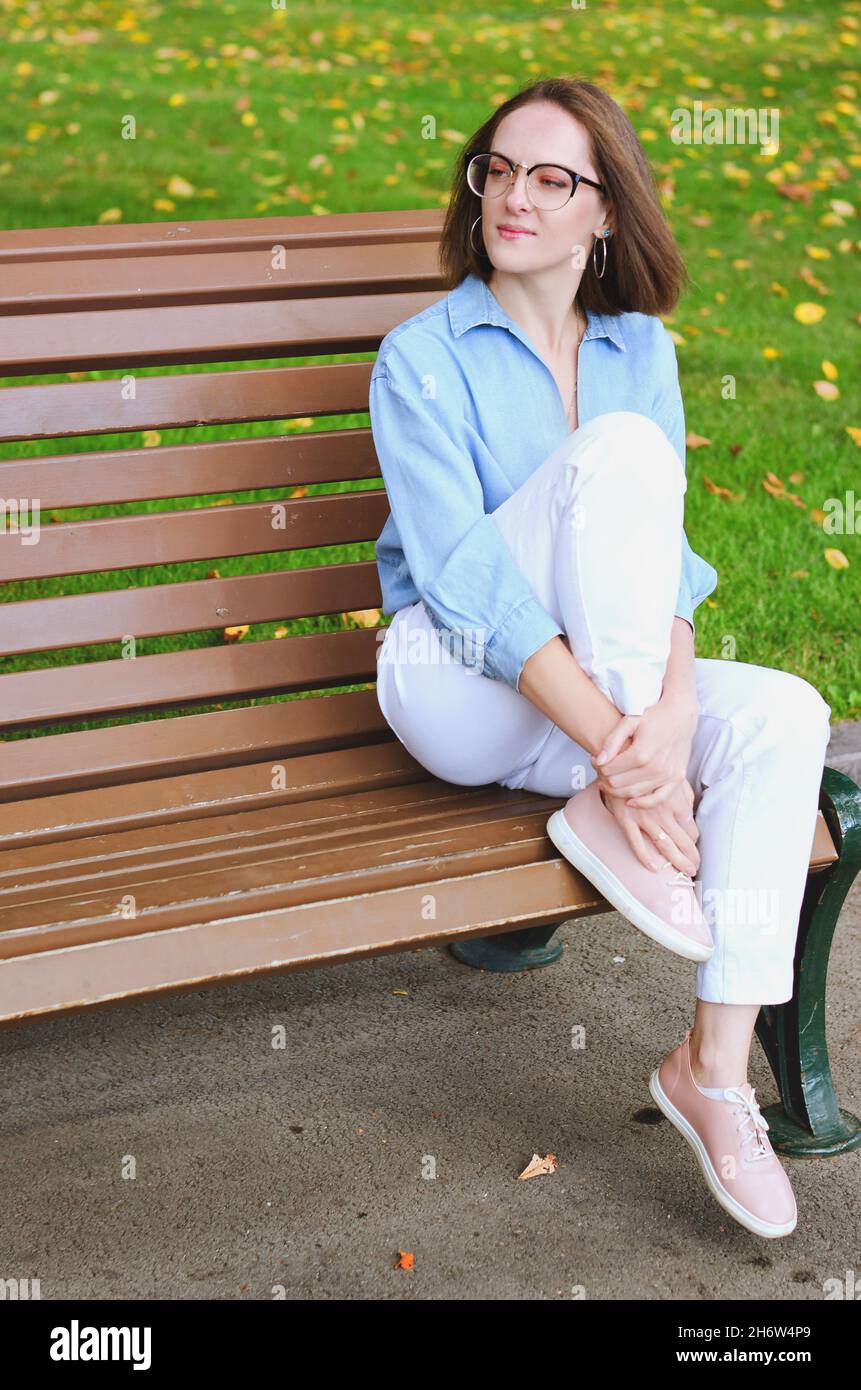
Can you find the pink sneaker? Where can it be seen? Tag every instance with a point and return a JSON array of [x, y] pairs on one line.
[[729, 1139], [661, 902]]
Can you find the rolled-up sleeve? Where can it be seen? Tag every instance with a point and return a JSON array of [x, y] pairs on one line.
[[470, 583], [698, 578]]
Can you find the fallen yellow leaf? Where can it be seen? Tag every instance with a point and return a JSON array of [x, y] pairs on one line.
[[179, 187], [808, 313], [836, 559], [365, 617]]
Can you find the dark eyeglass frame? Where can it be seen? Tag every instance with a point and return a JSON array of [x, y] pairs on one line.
[[514, 166]]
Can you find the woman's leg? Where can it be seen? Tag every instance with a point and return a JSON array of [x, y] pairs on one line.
[[596, 530], [756, 775], [720, 1043], [458, 724], [755, 768]]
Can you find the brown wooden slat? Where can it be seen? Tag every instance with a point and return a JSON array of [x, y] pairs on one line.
[[423, 801], [103, 339], [73, 762], [48, 624], [197, 533], [198, 675], [346, 845], [197, 795], [238, 830], [236, 947], [248, 274], [191, 470], [823, 851], [379, 227], [183, 401], [189, 885]]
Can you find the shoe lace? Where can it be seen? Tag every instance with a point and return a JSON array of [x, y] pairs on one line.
[[751, 1114]]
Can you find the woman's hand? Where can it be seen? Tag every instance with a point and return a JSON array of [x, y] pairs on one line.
[[646, 755], [667, 832], [642, 771]]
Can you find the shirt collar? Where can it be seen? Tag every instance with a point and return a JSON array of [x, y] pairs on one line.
[[473, 302]]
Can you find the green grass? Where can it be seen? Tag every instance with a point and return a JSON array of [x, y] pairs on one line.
[[322, 108]]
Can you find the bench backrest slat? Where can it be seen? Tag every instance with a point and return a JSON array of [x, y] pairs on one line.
[[182, 401], [337, 229], [246, 275], [109, 339], [190, 470], [201, 533], [198, 606]]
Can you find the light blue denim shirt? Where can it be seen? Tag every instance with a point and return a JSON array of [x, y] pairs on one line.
[[463, 410]]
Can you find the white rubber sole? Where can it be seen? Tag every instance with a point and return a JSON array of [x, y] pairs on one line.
[[718, 1191], [614, 890]]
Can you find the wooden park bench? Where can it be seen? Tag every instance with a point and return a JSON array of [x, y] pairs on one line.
[[182, 802]]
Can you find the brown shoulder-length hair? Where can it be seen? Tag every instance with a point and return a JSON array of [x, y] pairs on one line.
[[644, 271]]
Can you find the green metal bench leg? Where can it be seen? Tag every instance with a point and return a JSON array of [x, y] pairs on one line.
[[808, 1123], [524, 949]]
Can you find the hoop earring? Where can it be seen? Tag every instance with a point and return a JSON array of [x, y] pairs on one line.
[[602, 237], [479, 251]]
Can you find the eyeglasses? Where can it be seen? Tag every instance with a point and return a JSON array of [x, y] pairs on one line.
[[549, 186]]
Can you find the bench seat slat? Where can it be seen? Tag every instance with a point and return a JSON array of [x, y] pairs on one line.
[[233, 947], [195, 795], [182, 886], [186, 879]]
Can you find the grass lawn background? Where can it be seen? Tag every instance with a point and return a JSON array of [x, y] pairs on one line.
[[243, 110]]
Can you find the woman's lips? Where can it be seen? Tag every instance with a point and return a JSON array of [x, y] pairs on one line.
[[510, 235]]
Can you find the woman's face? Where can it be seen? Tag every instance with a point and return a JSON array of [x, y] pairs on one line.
[[542, 133]]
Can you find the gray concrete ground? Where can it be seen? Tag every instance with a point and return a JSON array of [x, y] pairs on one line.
[[308, 1166]]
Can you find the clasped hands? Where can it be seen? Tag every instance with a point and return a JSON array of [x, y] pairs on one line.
[[642, 772]]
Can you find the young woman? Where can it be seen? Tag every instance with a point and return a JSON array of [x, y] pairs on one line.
[[531, 435]]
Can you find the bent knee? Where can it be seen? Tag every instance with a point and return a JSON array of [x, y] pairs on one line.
[[793, 707], [635, 435], [809, 705]]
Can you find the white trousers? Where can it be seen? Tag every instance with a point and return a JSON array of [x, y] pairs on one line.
[[596, 530]]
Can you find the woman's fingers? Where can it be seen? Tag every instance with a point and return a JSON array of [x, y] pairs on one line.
[[650, 799], [678, 844], [665, 834], [630, 780], [616, 739], [641, 845], [672, 850]]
